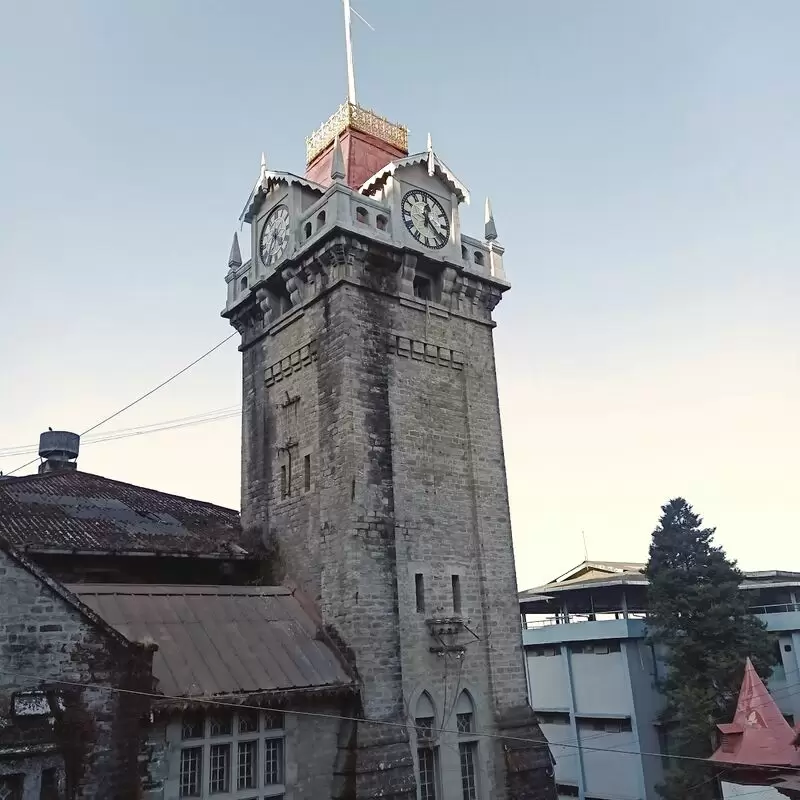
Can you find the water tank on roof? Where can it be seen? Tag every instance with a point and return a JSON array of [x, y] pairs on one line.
[[58, 448]]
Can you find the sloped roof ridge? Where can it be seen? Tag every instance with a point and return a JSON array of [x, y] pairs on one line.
[[65, 594], [612, 566], [55, 475], [178, 588]]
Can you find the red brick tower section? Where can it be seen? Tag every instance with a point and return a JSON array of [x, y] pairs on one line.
[[368, 143]]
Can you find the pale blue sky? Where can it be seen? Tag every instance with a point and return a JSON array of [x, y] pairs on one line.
[[643, 162]]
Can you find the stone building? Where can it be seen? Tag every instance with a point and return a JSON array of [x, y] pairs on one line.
[[355, 634], [61, 735], [595, 680], [224, 668], [372, 457]]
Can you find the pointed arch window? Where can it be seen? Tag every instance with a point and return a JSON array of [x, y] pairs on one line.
[[427, 749], [467, 745]]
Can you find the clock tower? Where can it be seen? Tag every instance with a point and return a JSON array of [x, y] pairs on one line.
[[372, 457]]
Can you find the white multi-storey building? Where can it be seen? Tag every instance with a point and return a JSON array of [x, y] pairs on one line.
[[594, 679]]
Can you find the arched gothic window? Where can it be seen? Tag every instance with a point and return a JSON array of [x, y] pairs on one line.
[[467, 745], [427, 749]]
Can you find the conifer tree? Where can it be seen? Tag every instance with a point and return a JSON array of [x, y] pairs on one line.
[[699, 619]]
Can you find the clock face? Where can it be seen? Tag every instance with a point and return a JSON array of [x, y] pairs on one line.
[[426, 219], [275, 236]]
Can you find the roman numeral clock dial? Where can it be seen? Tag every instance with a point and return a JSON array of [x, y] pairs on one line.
[[275, 236], [425, 218]]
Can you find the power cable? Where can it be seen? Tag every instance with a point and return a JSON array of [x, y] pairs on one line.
[[343, 718], [141, 397], [139, 430]]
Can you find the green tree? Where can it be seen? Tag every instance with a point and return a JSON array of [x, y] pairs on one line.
[[698, 617]]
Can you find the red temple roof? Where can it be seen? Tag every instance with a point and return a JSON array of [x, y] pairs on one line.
[[759, 734]]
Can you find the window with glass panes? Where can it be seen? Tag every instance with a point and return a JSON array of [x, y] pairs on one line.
[[467, 747], [427, 773], [11, 786], [225, 754]]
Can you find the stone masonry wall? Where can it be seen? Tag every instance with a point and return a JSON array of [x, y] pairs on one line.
[[395, 402], [44, 640]]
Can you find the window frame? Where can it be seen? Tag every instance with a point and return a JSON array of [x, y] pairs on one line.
[[271, 727]]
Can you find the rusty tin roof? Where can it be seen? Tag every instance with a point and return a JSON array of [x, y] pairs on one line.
[[77, 511], [215, 640]]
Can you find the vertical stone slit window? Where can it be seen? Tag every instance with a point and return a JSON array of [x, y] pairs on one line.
[[456, 581], [49, 786], [284, 483], [419, 586], [307, 472]]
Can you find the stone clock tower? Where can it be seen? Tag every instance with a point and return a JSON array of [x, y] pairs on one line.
[[372, 456]]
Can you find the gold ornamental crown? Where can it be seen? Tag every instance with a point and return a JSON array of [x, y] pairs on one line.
[[349, 115]]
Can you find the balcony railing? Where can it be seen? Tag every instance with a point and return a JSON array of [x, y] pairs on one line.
[[777, 608], [532, 621]]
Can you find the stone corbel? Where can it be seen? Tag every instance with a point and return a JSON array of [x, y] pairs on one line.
[[294, 280], [265, 303], [490, 298], [408, 271], [450, 290]]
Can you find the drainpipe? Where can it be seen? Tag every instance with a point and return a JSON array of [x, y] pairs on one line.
[[567, 656]]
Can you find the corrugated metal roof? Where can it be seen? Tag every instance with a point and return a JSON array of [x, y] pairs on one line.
[[216, 640], [80, 511]]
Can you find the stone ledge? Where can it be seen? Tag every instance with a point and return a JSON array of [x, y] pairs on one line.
[[417, 350], [302, 357]]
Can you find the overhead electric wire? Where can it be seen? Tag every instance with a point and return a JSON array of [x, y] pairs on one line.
[[342, 718], [140, 398], [138, 430]]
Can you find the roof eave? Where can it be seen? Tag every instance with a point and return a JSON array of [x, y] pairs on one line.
[[279, 699], [214, 556], [381, 176], [265, 184]]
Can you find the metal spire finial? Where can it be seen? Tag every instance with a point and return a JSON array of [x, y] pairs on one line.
[[490, 229], [263, 165], [431, 157], [337, 163], [351, 80], [235, 258]]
